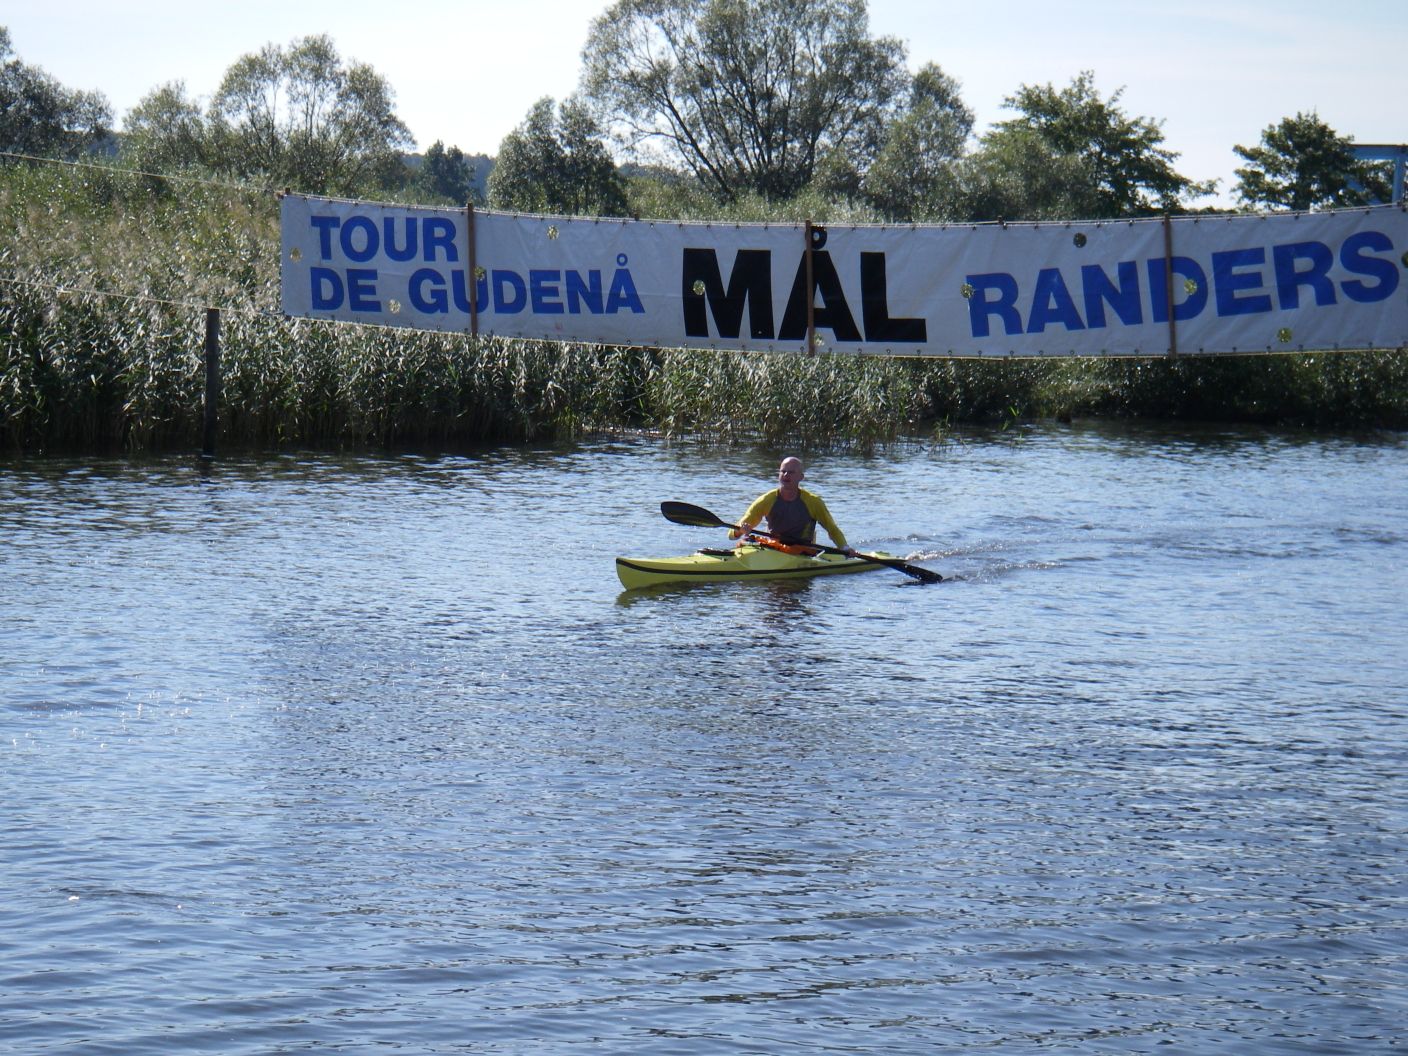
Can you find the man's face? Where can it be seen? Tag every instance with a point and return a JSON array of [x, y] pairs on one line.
[[789, 476]]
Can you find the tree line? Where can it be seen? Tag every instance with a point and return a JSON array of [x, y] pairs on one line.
[[771, 109]]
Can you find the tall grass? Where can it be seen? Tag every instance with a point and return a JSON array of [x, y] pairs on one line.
[[105, 277], [782, 398]]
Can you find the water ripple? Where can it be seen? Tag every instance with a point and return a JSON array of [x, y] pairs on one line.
[[318, 753]]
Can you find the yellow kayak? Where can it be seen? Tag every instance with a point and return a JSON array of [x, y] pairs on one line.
[[742, 562]]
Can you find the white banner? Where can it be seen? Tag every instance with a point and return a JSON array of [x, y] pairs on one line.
[[1263, 283]]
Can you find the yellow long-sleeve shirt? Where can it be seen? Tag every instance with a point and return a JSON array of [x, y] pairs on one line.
[[762, 508]]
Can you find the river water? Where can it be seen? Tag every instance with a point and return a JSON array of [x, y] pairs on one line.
[[348, 754]]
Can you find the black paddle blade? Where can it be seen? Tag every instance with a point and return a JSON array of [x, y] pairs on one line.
[[921, 574], [695, 516]]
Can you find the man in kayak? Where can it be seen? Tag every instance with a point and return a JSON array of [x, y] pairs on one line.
[[791, 512]]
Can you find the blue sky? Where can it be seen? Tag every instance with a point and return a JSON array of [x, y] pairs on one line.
[[1215, 74]]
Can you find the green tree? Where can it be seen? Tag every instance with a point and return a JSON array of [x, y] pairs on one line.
[[557, 163], [748, 95], [1020, 176], [913, 176], [166, 131], [298, 116], [1302, 164], [1073, 149], [444, 175], [40, 116]]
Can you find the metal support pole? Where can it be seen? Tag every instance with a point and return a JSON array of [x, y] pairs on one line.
[[811, 293], [473, 262], [1168, 286]]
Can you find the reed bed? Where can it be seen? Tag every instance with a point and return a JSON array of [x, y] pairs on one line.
[[105, 277]]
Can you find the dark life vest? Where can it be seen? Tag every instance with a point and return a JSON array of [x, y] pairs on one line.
[[791, 521]]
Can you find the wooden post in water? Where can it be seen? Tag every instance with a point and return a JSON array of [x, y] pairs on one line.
[[212, 380]]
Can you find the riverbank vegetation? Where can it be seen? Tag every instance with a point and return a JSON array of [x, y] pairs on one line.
[[109, 259]]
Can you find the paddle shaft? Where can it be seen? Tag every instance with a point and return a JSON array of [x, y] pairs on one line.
[[697, 516], [921, 574]]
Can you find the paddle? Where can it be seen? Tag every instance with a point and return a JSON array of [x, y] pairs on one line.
[[698, 517]]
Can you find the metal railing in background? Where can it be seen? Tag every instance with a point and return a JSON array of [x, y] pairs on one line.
[[1396, 153]]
